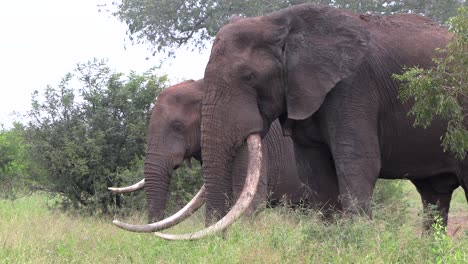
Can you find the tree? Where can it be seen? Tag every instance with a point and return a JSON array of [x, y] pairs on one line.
[[169, 24], [443, 90], [89, 132], [438, 10]]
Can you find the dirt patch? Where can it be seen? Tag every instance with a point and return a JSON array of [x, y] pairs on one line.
[[458, 225]]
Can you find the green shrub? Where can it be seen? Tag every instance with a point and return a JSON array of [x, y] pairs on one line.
[[89, 133]]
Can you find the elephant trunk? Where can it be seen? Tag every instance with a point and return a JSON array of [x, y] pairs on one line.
[[216, 168], [228, 118], [158, 170]]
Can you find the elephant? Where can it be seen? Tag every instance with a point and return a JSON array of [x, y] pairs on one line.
[[326, 74], [174, 136]]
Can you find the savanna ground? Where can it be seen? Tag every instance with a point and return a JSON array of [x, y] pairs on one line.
[[33, 232]]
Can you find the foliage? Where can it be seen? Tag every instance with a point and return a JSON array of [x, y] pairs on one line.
[[16, 169], [89, 132], [11, 150], [443, 90], [438, 10], [387, 191], [168, 24], [442, 246], [185, 183]]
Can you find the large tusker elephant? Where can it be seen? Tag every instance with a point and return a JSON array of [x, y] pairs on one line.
[[174, 136], [327, 75]]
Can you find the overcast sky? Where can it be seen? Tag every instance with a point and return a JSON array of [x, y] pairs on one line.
[[40, 41]]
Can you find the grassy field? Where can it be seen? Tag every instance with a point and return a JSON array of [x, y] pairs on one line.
[[30, 232]]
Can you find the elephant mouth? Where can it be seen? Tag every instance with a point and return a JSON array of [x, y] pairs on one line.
[[266, 125], [243, 202]]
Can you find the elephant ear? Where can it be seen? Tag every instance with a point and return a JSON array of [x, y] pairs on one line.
[[323, 46]]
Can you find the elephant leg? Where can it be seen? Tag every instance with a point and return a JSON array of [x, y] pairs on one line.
[[463, 178], [316, 169], [356, 181], [355, 147], [357, 164], [436, 193]]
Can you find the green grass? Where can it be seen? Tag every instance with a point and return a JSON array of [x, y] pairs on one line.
[[32, 233]]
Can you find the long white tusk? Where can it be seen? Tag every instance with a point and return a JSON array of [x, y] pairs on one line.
[[197, 201], [245, 198], [128, 189]]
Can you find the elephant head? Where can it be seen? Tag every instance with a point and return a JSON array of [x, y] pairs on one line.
[[173, 136]]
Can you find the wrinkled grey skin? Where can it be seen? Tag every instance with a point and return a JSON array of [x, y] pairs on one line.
[[174, 136], [327, 75]]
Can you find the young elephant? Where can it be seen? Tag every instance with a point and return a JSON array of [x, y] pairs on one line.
[[174, 136]]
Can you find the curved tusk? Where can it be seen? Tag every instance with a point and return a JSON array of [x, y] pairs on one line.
[[245, 198], [128, 189], [197, 201]]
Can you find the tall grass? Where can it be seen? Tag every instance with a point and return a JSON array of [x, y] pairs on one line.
[[32, 233]]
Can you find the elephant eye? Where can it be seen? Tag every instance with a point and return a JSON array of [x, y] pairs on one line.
[[248, 77], [177, 126]]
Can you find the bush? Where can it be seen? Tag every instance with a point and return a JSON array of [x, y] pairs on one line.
[[17, 172], [185, 183], [89, 133]]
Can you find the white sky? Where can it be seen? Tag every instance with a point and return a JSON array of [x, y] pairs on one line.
[[42, 40]]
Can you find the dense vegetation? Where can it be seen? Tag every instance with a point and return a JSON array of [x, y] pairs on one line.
[[17, 172]]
